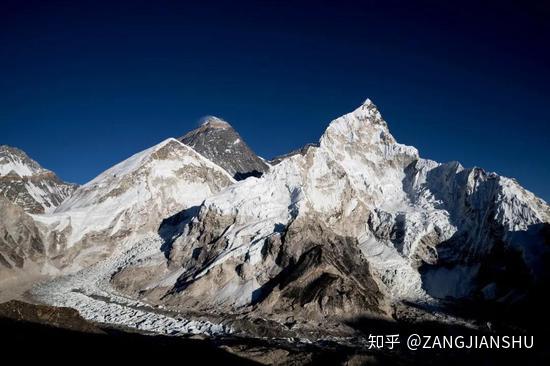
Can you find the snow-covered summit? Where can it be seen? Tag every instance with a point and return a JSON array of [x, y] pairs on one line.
[[25, 183], [427, 230], [143, 189], [14, 161], [364, 125], [158, 161], [129, 200]]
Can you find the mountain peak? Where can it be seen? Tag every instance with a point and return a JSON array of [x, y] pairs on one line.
[[16, 161], [214, 122], [27, 184], [365, 132], [370, 108], [363, 123], [216, 140], [367, 102], [10, 149], [136, 194]]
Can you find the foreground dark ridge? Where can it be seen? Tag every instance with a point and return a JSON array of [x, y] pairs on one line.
[[47, 328]]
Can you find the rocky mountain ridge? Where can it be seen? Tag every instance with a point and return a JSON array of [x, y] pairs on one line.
[[25, 183]]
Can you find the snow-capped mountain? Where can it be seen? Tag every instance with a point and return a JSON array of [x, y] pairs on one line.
[[350, 227], [218, 141], [130, 199], [355, 225], [25, 183], [121, 204]]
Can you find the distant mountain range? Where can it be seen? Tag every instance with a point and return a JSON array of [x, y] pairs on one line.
[[200, 235]]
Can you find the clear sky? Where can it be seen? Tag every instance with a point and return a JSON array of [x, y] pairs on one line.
[[85, 84]]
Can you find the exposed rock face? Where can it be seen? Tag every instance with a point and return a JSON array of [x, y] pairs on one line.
[[25, 183], [323, 275], [303, 270], [22, 249], [219, 142]]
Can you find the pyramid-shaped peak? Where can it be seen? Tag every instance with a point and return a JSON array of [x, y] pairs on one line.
[[369, 111], [368, 102], [216, 140], [366, 117], [368, 105], [364, 131]]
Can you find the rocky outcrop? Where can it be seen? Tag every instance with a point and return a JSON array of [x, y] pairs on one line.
[[322, 275], [22, 249]]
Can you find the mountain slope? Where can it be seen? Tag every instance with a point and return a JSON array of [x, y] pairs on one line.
[[127, 201], [25, 183], [218, 141]]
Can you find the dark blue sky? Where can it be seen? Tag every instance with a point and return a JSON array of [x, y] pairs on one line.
[[85, 84]]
